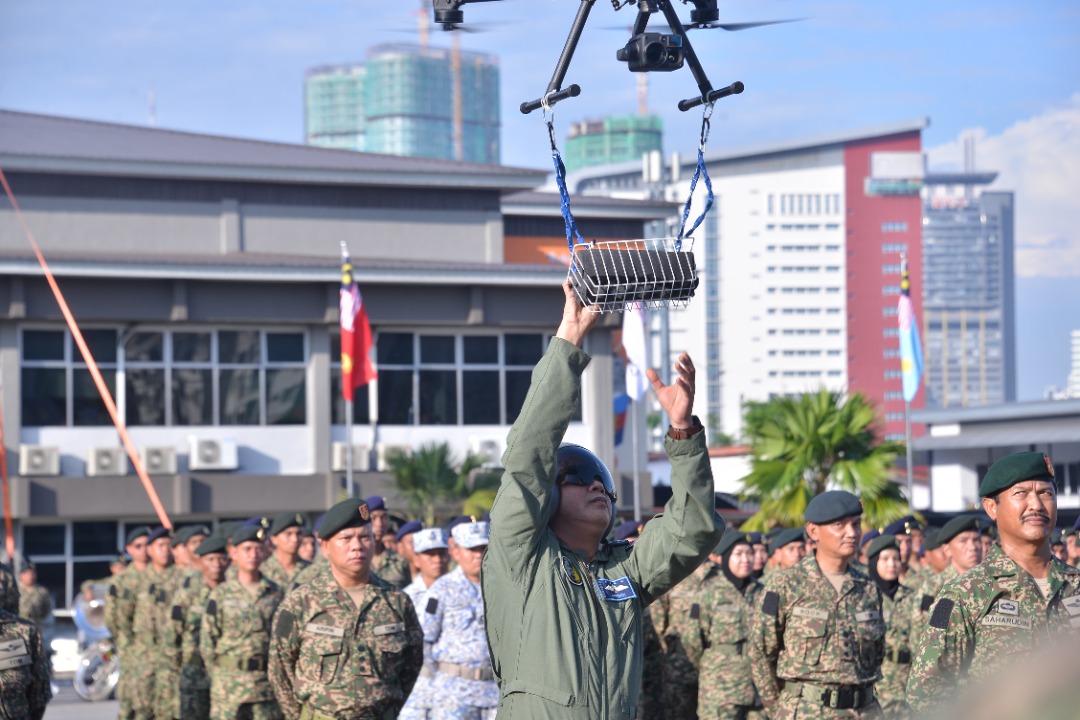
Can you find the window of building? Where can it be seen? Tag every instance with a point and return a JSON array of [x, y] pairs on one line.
[[892, 374], [891, 353], [890, 289], [890, 269], [894, 227], [894, 395], [178, 378], [891, 332], [890, 311], [894, 248], [67, 554], [769, 202]]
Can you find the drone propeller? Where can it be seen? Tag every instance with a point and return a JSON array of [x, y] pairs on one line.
[[735, 27]]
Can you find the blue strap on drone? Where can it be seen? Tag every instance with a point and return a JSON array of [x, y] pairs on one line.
[[700, 172], [560, 180]]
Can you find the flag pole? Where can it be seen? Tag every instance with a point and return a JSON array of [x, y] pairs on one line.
[[910, 469], [634, 450], [348, 447]]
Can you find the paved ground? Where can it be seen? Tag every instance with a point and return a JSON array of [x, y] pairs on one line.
[[66, 705]]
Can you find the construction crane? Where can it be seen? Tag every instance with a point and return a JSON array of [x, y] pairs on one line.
[[457, 117]]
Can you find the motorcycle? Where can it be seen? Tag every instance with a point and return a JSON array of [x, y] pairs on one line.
[[98, 671]]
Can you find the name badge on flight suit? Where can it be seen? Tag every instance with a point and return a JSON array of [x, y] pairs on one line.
[[13, 654], [616, 590]]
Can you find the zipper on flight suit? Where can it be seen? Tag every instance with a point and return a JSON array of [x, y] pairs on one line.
[[601, 622]]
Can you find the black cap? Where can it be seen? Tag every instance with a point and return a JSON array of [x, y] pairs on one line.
[[732, 538], [882, 542], [284, 521], [346, 514], [249, 533], [786, 537], [959, 524], [211, 545], [157, 533], [832, 505], [136, 533]]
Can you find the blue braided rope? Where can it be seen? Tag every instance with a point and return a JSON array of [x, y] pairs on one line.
[[700, 171], [564, 196]]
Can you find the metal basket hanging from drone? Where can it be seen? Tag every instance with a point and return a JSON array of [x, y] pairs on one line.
[[614, 275]]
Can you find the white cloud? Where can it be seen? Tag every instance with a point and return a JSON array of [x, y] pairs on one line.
[[1038, 159]]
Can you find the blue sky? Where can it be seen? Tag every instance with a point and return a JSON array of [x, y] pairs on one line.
[[1005, 71]]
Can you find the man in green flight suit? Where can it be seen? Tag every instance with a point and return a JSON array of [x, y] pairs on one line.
[[563, 608], [1018, 599]]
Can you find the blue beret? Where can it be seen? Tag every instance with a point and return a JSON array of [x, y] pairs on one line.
[[959, 524], [136, 533], [249, 533], [882, 542], [407, 529], [1076, 525], [869, 536], [785, 537], [157, 533], [457, 521], [628, 529], [211, 545], [832, 505], [317, 524], [349, 513], [756, 538], [1015, 468], [375, 502], [258, 521], [284, 521], [903, 526]]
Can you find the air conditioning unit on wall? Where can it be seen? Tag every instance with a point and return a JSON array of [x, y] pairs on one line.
[[106, 462], [339, 458], [490, 449], [159, 460], [38, 460], [212, 454]]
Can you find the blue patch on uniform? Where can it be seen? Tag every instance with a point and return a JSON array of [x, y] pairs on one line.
[[616, 590]]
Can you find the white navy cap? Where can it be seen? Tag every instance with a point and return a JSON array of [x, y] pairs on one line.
[[470, 535], [429, 539]]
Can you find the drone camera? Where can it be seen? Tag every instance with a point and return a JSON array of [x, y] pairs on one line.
[[653, 52]]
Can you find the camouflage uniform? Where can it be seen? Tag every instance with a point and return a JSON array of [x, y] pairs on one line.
[[652, 668], [927, 592], [144, 638], [167, 666], [189, 605], [9, 590], [35, 605], [274, 571], [901, 613], [392, 568], [24, 669], [235, 642], [681, 608], [464, 687], [309, 573], [339, 659], [119, 614], [817, 644], [418, 706], [986, 619], [726, 689]]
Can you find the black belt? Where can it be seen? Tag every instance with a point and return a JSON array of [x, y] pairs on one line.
[[898, 656], [840, 697], [250, 664]]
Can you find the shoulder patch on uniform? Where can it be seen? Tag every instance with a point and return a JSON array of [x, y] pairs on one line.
[[771, 604], [177, 613], [432, 606], [927, 602], [695, 611], [112, 591], [211, 607], [187, 582], [942, 611], [285, 622]]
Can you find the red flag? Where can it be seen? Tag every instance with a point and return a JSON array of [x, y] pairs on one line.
[[355, 333]]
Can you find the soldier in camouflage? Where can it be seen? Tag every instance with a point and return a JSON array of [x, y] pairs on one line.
[[1016, 600], [387, 564], [346, 644], [432, 557], [146, 617], [464, 687], [788, 548], [725, 687], [35, 604], [24, 668], [120, 613], [185, 623], [900, 611], [9, 589], [285, 564], [678, 615], [650, 702], [307, 545], [235, 635], [817, 643]]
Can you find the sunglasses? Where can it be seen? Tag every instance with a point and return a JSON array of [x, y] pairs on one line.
[[571, 477]]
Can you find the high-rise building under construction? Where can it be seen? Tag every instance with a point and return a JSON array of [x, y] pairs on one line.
[[613, 139], [408, 100]]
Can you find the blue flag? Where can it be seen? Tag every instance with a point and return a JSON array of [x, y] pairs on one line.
[[911, 356]]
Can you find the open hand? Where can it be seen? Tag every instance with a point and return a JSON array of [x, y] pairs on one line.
[[677, 399], [576, 320]]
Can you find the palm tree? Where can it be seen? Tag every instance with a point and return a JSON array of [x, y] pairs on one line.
[[428, 476], [810, 443]]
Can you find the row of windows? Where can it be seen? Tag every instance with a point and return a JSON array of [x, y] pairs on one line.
[[802, 226], [805, 373], [890, 269], [804, 204], [805, 331], [894, 248], [894, 227], [803, 290], [804, 353], [804, 311], [890, 289], [801, 248], [890, 311], [254, 377], [802, 268]]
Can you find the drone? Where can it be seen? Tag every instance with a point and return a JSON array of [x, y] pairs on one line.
[[644, 52]]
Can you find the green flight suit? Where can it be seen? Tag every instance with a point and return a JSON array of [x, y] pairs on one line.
[[565, 633]]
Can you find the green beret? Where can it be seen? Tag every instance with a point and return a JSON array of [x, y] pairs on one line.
[[959, 524], [1056, 537], [186, 533], [832, 505], [228, 529], [346, 514], [932, 540], [731, 539], [211, 545], [882, 542], [136, 533], [284, 521], [1015, 468], [785, 537], [249, 533]]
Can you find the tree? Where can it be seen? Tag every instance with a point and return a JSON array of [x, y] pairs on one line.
[[810, 443], [428, 476]]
